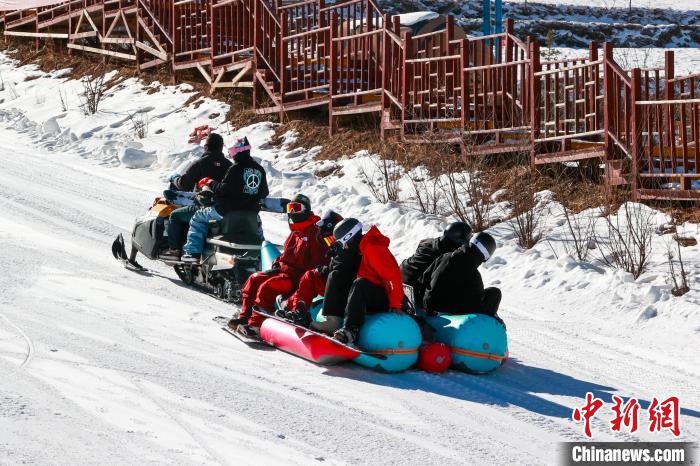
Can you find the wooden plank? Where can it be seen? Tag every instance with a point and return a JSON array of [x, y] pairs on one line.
[[101, 51], [38, 35], [156, 53]]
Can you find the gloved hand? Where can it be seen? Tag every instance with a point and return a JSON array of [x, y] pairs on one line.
[[275, 269]]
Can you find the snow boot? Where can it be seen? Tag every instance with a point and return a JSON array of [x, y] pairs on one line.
[[236, 321], [300, 316], [170, 255], [191, 258], [346, 336]]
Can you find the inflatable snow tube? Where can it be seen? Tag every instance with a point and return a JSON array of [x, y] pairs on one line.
[[478, 343], [268, 254], [396, 336]]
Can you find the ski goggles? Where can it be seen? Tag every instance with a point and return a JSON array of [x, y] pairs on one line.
[[295, 208], [350, 234]]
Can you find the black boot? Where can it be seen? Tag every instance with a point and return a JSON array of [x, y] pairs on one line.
[[346, 336], [300, 316]]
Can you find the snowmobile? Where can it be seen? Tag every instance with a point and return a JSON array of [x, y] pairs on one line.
[[230, 256]]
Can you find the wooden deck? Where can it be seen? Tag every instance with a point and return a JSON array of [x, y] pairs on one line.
[[493, 94]]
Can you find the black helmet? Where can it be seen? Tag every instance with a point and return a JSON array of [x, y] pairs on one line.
[[215, 143], [484, 244], [298, 209], [458, 233], [348, 232], [327, 223]]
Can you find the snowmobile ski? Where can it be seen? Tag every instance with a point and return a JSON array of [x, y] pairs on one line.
[[310, 333], [119, 253]]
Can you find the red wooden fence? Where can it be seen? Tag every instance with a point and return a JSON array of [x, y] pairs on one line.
[[489, 94]]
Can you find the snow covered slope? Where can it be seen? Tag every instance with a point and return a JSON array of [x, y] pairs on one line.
[[101, 365]]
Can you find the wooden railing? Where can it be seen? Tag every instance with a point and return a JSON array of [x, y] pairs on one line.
[[192, 33], [492, 92], [232, 34]]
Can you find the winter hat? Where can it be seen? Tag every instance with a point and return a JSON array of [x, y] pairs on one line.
[[241, 145], [327, 223], [215, 143], [298, 209]]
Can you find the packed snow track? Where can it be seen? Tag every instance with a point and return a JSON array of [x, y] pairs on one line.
[[105, 366]]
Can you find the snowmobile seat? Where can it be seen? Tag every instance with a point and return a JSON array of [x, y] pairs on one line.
[[239, 227]]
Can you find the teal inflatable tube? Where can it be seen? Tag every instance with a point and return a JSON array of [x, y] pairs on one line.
[[268, 254], [478, 343], [396, 336]]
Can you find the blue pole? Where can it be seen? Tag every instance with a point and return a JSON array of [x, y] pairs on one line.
[[486, 18], [499, 28]]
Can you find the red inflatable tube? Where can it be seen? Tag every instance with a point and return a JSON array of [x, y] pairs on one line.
[[304, 344]]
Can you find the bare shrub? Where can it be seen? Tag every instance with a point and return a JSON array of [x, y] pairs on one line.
[[425, 191], [678, 276], [382, 177], [93, 92], [64, 98], [627, 245], [465, 188], [139, 123], [527, 208], [580, 234]]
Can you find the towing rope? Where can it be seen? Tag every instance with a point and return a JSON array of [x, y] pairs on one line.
[[475, 354]]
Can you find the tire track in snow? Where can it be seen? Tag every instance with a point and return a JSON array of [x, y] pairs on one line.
[[28, 341]]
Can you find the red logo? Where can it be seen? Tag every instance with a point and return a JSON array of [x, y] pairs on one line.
[[662, 415]]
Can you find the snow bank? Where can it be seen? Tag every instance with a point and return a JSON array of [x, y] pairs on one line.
[[132, 157], [542, 282]]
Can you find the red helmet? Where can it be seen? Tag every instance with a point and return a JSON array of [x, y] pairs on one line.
[[434, 357]]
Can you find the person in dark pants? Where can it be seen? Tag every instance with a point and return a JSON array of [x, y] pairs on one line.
[[412, 269], [377, 286], [454, 284], [213, 165]]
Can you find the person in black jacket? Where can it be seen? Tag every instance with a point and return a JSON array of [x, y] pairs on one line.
[[453, 283], [241, 189], [412, 269], [213, 165]]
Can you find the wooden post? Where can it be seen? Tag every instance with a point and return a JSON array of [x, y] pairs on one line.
[[385, 74], [333, 64], [535, 67], [283, 63], [608, 100], [256, 38], [464, 92], [636, 130], [592, 90], [405, 79], [669, 94]]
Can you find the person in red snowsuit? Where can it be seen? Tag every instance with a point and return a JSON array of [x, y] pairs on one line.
[[303, 250], [378, 286], [339, 273]]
